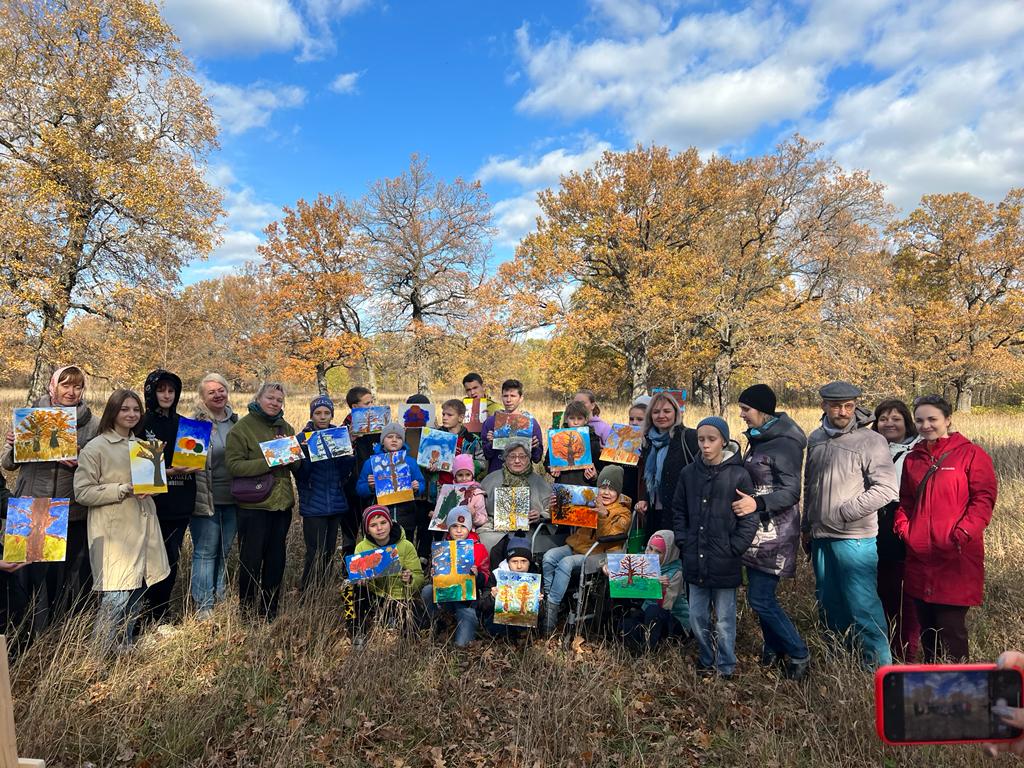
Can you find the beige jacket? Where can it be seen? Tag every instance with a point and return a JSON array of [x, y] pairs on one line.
[[126, 548]]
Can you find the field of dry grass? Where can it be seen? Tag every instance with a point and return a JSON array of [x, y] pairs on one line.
[[295, 693]]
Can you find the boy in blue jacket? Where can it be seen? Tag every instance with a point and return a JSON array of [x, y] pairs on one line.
[[406, 514]]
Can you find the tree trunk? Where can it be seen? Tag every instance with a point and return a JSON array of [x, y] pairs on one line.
[[964, 397], [321, 378], [46, 347], [36, 542], [371, 375], [638, 365], [721, 383]]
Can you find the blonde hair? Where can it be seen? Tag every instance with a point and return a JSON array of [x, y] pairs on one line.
[[210, 377], [655, 401], [265, 387]]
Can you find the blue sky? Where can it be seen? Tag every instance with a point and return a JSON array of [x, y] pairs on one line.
[[329, 95]]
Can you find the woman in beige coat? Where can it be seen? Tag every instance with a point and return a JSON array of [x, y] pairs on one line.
[[126, 550]]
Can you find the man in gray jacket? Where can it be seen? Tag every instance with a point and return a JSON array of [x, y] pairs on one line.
[[848, 477]]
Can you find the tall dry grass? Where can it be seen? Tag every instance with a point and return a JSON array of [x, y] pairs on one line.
[[295, 693]]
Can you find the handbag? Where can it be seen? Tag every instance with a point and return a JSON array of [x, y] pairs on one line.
[[253, 490]]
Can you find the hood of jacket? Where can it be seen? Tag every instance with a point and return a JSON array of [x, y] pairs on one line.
[[671, 550], [862, 417], [951, 442], [783, 428], [729, 457], [149, 389]]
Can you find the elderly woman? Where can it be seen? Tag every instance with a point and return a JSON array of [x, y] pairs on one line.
[[264, 501], [668, 447], [517, 472], [214, 520]]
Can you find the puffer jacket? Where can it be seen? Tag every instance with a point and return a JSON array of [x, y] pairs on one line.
[[321, 484], [205, 501], [714, 538], [180, 500], [774, 459], [848, 477], [51, 479], [392, 586]]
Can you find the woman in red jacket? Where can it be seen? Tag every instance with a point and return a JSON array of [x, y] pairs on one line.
[[947, 494]]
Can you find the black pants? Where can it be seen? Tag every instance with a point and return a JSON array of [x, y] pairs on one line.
[[321, 537], [644, 629], [261, 554], [77, 582], [943, 631], [159, 595], [371, 608], [414, 517]]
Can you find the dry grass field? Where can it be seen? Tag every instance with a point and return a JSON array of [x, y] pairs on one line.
[[295, 693]]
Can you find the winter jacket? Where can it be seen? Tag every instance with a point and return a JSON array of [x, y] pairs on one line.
[[848, 477], [245, 459], [392, 586], [208, 481], [179, 501], [943, 525], [51, 479], [126, 547], [321, 484], [368, 494], [467, 442], [615, 524], [578, 476], [774, 459], [890, 548], [682, 450], [714, 538], [494, 455]]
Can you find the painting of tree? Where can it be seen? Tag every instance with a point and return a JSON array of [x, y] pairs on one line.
[[37, 530], [148, 472], [570, 448], [391, 477], [511, 509], [451, 563], [508, 425], [574, 505], [45, 434], [634, 576], [517, 602], [623, 445]]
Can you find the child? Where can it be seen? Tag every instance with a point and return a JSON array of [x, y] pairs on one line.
[[463, 469], [613, 518], [519, 559], [576, 416], [511, 400], [715, 539], [460, 528], [631, 474], [406, 513], [356, 397], [384, 594], [645, 627], [467, 444], [322, 500], [599, 425]]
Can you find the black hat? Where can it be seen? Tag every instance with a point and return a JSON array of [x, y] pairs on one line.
[[760, 397], [839, 390]]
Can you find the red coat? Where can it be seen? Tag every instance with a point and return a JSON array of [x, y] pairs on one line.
[[945, 531]]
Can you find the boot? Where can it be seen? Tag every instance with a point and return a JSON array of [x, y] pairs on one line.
[[796, 669], [549, 620]]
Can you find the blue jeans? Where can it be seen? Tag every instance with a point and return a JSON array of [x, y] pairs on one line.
[[780, 636], [846, 586], [558, 566], [724, 601], [119, 610], [463, 610], [212, 539]]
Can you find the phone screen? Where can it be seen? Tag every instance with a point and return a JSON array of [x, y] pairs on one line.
[[953, 705]]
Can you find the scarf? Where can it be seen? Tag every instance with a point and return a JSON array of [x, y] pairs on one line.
[[274, 421], [510, 479], [51, 388], [656, 461]]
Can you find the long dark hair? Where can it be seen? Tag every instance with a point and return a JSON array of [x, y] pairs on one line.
[[894, 404], [113, 407]]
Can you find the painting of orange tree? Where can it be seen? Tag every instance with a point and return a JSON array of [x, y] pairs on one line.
[[517, 598], [45, 434], [37, 530]]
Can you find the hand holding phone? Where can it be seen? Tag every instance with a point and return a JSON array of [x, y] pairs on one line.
[[1015, 717]]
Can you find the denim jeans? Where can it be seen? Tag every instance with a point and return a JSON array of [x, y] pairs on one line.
[[119, 610], [780, 636], [846, 586], [702, 599], [463, 610], [212, 539], [558, 566]]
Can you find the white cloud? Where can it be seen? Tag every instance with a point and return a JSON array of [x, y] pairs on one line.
[[515, 217], [346, 82], [218, 27], [239, 108], [545, 170], [630, 16]]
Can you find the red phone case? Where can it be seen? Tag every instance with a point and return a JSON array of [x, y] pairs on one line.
[[880, 674]]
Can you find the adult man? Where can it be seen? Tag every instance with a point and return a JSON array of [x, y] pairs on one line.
[[848, 477]]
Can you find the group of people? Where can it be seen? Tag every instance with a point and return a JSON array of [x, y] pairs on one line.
[[890, 506]]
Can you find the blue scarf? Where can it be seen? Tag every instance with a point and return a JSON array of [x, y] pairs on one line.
[[656, 461]]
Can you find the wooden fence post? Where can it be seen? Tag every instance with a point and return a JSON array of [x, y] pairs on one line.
[[8, 742]]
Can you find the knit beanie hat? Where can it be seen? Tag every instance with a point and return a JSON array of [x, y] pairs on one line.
[[658, 543], [612, 476], [718, 423], [641, 402], [321, 401], [518, 547], [760, 397], [459, 516], [372, 511], [463, 461], [393, 428]]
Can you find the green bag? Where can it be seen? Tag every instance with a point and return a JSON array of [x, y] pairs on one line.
[[637, 541]]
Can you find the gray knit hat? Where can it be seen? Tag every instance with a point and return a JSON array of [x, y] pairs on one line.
[[393, 428]]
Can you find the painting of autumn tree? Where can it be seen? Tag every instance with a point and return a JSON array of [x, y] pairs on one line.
[[570, 448], [45, 434], [37, 530], [634, 576], [517, 602]]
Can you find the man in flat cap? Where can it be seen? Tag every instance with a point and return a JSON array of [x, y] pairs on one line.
[[848, 477]]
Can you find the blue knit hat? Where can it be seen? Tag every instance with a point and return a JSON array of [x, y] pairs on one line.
[[321, 401], [718, 423]]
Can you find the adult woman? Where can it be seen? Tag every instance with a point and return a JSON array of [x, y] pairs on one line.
[[516, 472], [668, 447], [49, 587], [126, 549], [947, 494], [262, 525], [214, 519], [894, 422], [599, 425]]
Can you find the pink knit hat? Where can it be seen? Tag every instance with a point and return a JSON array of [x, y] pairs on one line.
[[463, 461]]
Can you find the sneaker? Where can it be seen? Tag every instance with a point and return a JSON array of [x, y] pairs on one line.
[[705, 673], [797, 669]]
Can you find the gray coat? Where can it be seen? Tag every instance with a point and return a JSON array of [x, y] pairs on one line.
[[204, 478], [848, 477]]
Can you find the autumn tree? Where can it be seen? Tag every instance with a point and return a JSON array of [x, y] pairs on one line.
[[316, 266], [152, 450], [103, 135], [428, 242]]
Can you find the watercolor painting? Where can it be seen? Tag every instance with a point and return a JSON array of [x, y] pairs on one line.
[[634, 576], [148, 472], [283, 450], [368, 421], [511, 509], [37, 530], [623, 445], [574, 505], [45, 434], [508, 425], [437, 450], [417, 415], [556, 419], [392, 480], [517, 603], [476, 414], [373, 563], [454, 495], [450, 563], [192, 443], [569, 448], [679, 395], [330, 443]]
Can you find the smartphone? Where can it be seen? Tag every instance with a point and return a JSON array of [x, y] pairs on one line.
[[945, 703]]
